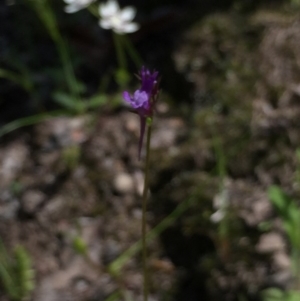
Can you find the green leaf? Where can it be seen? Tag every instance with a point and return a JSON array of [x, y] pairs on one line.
[[114, 296], [293, 296], [25, 273], [96, 101], [19, 79], [290, 231], [294, 214], [298, 155], [265, 226], [273, 294], [65, 100], [122, 77], [16, 274], [16, 124], [279, 199], [115, 267], [7, 280], [79, 245]]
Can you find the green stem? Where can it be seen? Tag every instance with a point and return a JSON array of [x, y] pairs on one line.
[[68, 68], [93, 9], [120, 52], [116, 266], [144, 204], [132, 52], [47, 16]]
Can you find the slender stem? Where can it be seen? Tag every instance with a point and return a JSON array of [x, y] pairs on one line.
[[120, 52], [47, 16], [93, 10], [132, 52], [145, 193], [68, 67]]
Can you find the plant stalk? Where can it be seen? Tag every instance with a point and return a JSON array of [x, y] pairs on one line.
[[132, 51], [144, 205], [47, 16], [120, 52]]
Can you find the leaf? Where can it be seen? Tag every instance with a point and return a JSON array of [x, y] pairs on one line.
[[7, 280], [114, 296], [279, 199], [273, 294], [122, 77], [294, 214], [79, 245], [290, 230], [19, 79], [16, 274], [293, 296], [25, 273], [96, 101], [65, 100], [115, 267], [16, 124], [298, 155]]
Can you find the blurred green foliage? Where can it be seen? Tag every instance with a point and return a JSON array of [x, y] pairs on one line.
[[275, 294], [16, 273], [289, 211]]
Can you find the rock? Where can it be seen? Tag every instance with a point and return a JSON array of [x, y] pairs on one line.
[[61, 132], [139, 182], [13, 158], [31, 200], [55, 287], [81, 284], [53, 207], [282, 260], [270, 242], [167, 133], [123, 183], [252, 201], [111, 251], [9, 209]]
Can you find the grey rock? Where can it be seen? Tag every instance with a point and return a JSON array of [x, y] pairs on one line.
[[31, 200], [123, 183]]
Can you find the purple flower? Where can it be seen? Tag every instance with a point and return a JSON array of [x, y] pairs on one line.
[[143, 100]]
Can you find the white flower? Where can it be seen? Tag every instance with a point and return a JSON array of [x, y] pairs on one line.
[[220, 203], [217, 216], [116, 19], [76, 5]]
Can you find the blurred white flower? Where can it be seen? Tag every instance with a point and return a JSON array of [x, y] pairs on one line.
[[220, 203], [116, 19], [76, 5], [217, 216]]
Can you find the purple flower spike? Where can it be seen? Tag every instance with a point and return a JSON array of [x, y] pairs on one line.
[[148, 80], [143, 100], [140, 99]]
